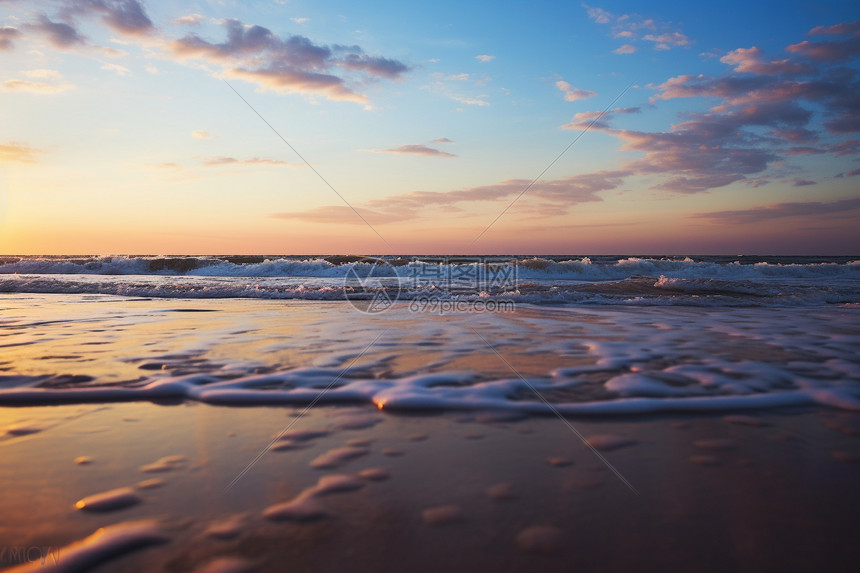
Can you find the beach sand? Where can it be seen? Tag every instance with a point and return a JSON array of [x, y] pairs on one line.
[[235, 487]]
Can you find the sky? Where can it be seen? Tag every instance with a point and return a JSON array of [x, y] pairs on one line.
[[312, 127]]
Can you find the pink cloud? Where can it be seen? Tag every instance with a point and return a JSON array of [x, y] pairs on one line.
[[749, 60], [552, 196], [414, 149], [14, 152], [291, 64], [7, 36], [571, 93], [838, 209], [630, 26], [256, 161]]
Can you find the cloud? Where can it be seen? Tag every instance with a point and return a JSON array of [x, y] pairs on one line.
[[14, 152], [800, 182], [150, 68], [750, 60], [831, 51], [479, 100], [60, 35], [200, 134], [555, 196], [293, 64], [600, 118], [839, 208], [339, 215], [632, 27], [484, 58], [189, 20], [758, 81], [121, 70], [767, 110], [300, 20], [35, 87], [442, 140], [414, 150], [301, 82], [43, 74], [571, 93], [667, 40], [8, 35], [705, 152], [126, 17], [379, 67], [219, 161]]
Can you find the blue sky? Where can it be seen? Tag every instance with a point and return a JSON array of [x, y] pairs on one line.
[[737, 132]]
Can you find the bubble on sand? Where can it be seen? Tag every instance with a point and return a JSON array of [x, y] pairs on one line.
[[742, 420], [337, 457], [359, 442], [228, 565], [540, 539], [560, 462], [392, 452], [417, 437], [229, 528], [109, 500], [606, 442], [105, 544], [150, 483], [302, 435], [502, 491], [442, 515], [716, 444], [286, 446], [301, 509], [83, 460], [374, 474], [336, 483], [22, 429], [848, 457], [164, 464], [705, 460]]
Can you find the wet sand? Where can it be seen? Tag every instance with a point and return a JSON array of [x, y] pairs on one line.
[[429, 481], [713, 494]]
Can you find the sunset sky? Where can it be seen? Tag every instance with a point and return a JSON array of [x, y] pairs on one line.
[[119, 134]]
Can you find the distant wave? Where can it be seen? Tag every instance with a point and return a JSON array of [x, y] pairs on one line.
[[643, 291], [533, 268]]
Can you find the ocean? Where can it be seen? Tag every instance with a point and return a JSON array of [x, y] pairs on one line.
[[713, 281], [257, 413]]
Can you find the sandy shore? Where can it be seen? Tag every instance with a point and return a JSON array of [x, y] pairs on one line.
[[182, 483], [757, 492]]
